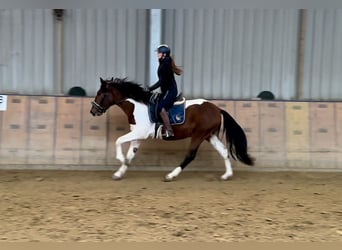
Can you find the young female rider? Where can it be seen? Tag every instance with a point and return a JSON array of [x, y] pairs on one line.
[[167, 84]]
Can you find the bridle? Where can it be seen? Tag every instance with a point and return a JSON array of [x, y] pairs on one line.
[[101, 109], [98, 107]]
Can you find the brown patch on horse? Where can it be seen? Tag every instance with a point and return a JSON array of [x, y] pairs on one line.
[[128, 108], [205, 124]]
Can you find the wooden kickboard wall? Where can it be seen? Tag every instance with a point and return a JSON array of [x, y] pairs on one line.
[[45, 132]]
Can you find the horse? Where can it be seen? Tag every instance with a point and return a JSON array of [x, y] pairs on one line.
[[203, 121]]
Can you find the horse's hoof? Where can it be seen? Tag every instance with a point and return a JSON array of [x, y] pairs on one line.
[[226, 178], [169, 178], [116, 178]]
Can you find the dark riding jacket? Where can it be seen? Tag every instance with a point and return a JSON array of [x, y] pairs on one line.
[[167, 84]]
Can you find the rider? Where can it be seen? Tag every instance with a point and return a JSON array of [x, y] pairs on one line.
[[167, 83]]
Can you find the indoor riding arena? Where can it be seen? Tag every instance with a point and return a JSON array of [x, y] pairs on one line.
[[57, 160]]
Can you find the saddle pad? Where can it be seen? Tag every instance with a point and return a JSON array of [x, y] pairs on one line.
[[176, 112]]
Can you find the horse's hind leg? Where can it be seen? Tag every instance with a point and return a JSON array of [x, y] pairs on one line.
[[222, 149], [194, 145]]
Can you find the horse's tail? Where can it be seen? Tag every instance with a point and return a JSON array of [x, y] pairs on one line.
[[236, 138]]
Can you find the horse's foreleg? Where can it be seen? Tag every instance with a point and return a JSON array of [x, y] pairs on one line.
[[133, 148], [190, 156], [130, 154], [222, 150]]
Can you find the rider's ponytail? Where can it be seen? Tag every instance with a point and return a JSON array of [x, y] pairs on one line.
[[176, 69]]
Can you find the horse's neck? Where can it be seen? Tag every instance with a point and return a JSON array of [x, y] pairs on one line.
[[136, 112], [128, 108]]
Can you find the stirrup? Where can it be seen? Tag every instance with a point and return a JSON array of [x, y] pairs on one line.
[[168, 134]]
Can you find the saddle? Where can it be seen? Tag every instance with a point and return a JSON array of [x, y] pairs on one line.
[[176, 112]]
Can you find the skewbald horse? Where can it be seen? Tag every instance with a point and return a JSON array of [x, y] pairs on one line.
[[202, 122]]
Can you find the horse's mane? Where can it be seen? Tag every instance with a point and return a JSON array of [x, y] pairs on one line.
[[132, 90]]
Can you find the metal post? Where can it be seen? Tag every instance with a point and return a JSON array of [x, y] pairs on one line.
[[59, 13], [301, 53], [155, 38]]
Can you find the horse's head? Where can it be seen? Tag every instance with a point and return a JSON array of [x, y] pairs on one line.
[[106, 96]]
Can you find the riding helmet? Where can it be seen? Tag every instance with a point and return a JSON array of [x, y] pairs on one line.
[[164, 48]]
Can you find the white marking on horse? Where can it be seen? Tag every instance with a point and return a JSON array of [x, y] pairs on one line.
[[194, 102], [222, 150]]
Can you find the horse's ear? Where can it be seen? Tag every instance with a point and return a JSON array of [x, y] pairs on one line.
[[102, 81], [112, 80]]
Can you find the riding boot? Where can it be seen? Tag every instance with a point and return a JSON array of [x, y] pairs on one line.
[[165, 117]]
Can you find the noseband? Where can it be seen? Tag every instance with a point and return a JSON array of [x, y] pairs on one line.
[[101, 109], [98, 107]]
